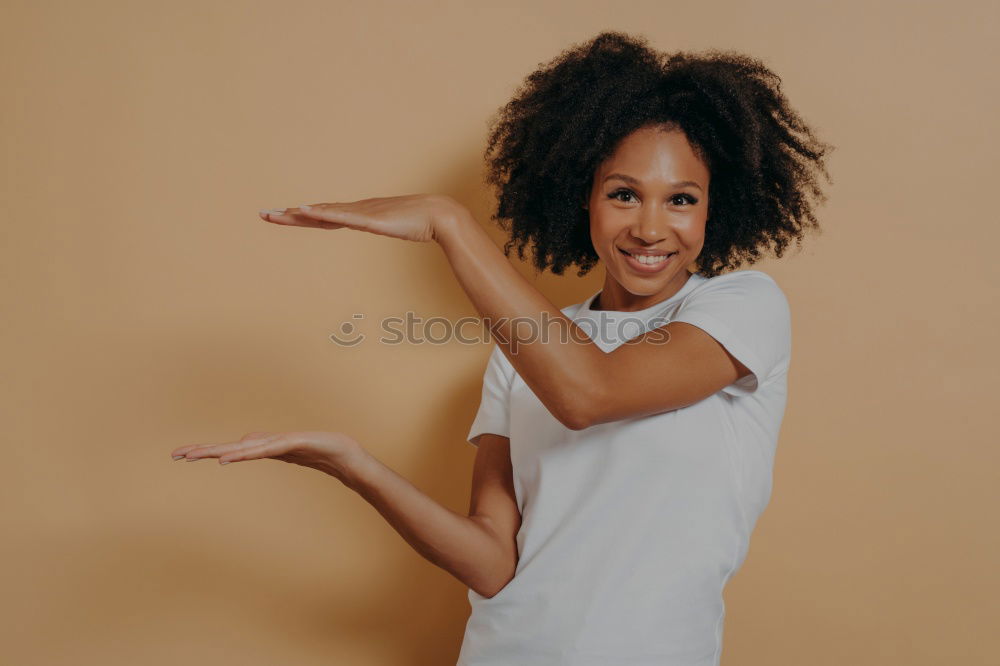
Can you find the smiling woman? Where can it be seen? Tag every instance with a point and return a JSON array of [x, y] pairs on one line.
[[617, 479], [647, 231]]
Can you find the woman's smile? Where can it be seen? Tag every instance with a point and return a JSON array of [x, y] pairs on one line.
[[648, 262]]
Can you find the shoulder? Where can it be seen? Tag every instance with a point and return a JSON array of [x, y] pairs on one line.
[[744, 277], [746, 301], [748, 286]]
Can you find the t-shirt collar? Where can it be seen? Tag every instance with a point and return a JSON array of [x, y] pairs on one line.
[[693, 280]]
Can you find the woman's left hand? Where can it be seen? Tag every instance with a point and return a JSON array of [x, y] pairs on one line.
[[332, 452], [413, 217]]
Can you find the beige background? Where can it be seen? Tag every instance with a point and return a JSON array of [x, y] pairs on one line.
[[146, 306]]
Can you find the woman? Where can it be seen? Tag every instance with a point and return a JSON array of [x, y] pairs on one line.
[[625, 443]]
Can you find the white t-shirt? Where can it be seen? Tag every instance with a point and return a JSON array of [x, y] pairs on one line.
[[631, 529]]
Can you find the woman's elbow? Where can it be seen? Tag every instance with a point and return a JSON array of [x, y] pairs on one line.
[[577, 414], [579, 408], [574, 421]]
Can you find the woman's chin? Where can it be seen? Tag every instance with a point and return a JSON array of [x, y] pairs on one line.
[[646, 281], [640, 286]]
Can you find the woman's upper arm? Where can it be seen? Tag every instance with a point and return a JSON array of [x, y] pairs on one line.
[[651, 377], [731, 334], [493, 503]]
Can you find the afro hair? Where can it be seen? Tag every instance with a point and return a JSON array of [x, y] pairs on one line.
[[568, 116]]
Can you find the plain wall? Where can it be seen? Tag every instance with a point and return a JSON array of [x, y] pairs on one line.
[[147, 306]]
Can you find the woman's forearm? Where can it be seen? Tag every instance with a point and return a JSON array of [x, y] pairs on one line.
[[553, 356], [461, 545]]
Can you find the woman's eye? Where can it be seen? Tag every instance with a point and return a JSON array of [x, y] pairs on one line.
[[677, 199], [616, 193]]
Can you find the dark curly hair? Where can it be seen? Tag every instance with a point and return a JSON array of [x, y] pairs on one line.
[[568, 117]]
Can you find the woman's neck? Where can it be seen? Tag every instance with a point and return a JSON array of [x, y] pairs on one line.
[[615, 297]]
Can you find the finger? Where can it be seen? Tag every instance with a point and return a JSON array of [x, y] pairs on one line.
[[274, 213], [199, 451], [182, 451], [335, 213], [267, 450], [295, 217]]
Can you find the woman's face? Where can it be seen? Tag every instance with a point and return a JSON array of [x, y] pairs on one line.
[[650, 199]]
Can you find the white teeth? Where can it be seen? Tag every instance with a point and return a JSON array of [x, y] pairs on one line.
[[647, 259]]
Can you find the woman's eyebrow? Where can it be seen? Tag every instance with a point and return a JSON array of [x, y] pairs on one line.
[[634, 181]]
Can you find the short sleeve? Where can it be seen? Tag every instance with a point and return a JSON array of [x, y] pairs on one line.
[[748, 313], [493, 415]]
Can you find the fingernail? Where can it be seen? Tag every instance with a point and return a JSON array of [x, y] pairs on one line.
[[224, 462], [277, 211], [178, 457], [304, 207]]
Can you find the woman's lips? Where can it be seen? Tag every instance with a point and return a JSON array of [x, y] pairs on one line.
[[647, 269]]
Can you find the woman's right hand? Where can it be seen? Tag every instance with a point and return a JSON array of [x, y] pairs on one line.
[[330, 452]]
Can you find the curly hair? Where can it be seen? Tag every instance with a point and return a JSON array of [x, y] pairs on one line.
[[568, 117]]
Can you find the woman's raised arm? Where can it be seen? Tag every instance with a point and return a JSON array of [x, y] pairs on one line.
[[576, 380]]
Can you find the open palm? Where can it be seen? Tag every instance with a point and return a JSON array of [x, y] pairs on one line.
[[325, 451], [412, 217]]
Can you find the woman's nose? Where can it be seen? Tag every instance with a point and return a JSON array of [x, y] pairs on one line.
[[652, 226]]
